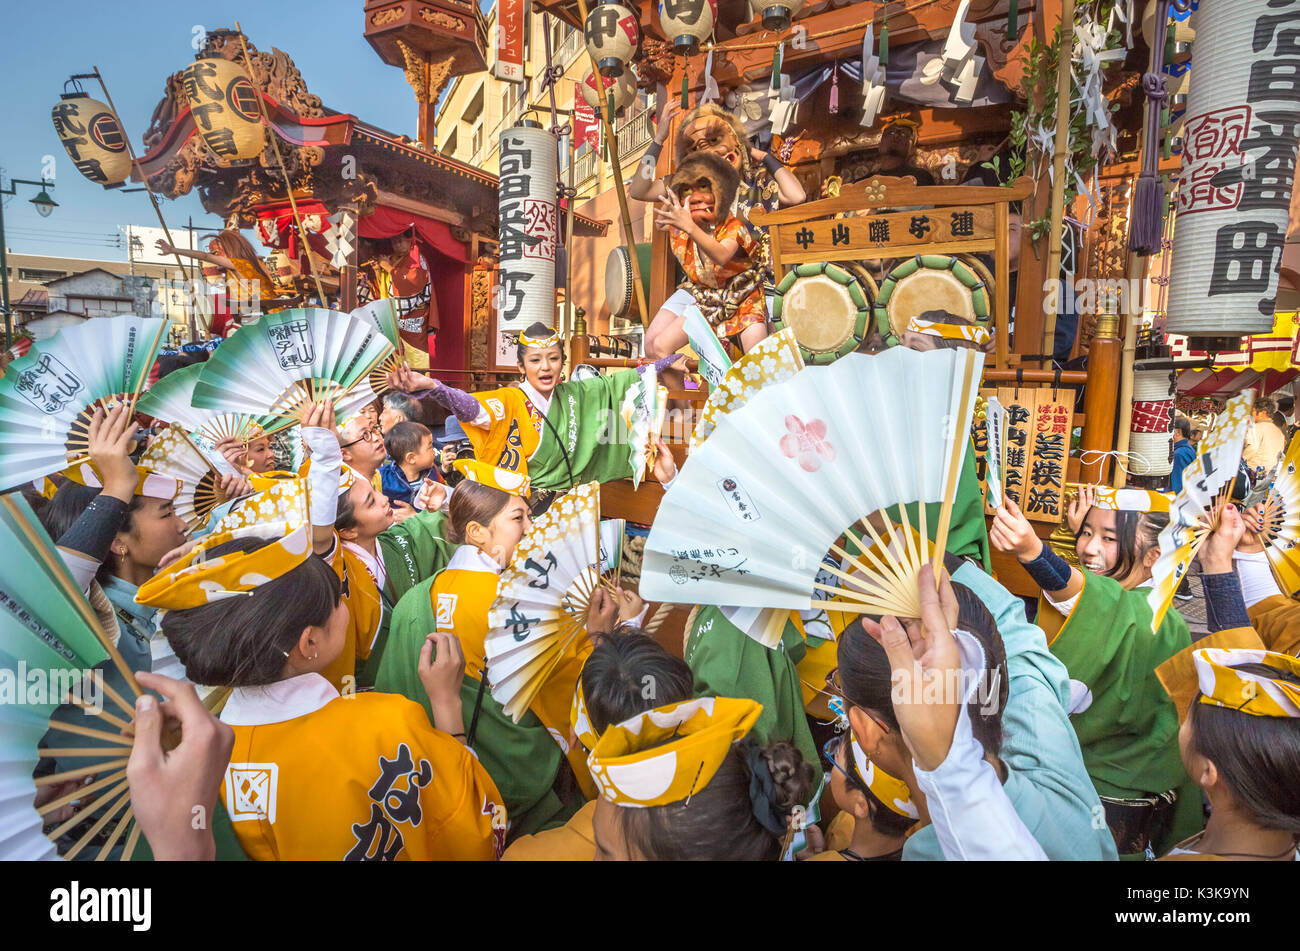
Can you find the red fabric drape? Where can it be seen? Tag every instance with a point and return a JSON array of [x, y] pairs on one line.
[[386, 222]]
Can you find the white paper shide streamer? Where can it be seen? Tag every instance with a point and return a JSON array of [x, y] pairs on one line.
[[1240, 132], [528, 228]]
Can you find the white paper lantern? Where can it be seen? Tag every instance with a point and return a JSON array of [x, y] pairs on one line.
[[688, 23], [1151, 433], [624, 89], [777, 16], [1239, 133], [93, 138], [528, 227], [613, 36]]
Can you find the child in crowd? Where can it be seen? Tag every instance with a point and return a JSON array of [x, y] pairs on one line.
[[412, 458]]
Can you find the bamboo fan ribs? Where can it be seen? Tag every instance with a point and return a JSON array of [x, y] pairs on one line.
[[47, 626], [171, 400], [48, 396], [1194, 512], [802, 469], [291, 359], [540, 612], [1281, 516]]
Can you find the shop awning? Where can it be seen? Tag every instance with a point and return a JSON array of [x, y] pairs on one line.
[[1265, 362]]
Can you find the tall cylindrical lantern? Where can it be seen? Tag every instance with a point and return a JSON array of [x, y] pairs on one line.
[[223, 104], [1151, 430], [93, 138], [613, 37], [624, 89], [688, 23], [1240, 132], [777, 16], [528, 227]]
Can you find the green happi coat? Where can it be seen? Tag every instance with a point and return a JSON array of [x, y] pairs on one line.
[[522, 758], [726, 662], [1128, 727], [413, 550], [592, 441]]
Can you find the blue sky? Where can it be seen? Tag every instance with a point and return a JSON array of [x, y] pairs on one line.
[[137, 46]]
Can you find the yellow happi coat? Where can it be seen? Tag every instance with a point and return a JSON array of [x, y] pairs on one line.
[[461, 596], [508, 428], [317, 776], [575, 841], [365, 611]]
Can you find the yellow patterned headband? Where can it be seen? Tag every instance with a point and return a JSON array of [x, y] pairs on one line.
[[933, 328], [513, 483], [889, 790], [1259, 695], [579, 721], [633, 766], [284, 503], [541, 343], [197, 580], [150, 484], [1130, 500]]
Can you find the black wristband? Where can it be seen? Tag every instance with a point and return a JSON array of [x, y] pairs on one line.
[[1049, 570], [1224, 605], [772, 163]]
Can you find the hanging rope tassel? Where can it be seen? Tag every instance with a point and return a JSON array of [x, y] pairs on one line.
[[776, 67], [884, 46], [1013, 20], [835, 90], [686, 83], [1146, 221]]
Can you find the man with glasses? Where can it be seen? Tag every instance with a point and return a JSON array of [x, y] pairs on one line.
[[363, 446]]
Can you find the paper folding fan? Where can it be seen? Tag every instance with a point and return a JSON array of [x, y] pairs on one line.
[[48, 396], [643, 412], [806, 462], [50, 639], [173, 454], [171, 400], [382, 315], [289, 359], [1281, 532], [772, 360], [541, 605], [995, 425], [1207, 483]]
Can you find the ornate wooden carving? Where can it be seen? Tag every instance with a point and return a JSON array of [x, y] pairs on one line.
[[656, 63], [480, 314]]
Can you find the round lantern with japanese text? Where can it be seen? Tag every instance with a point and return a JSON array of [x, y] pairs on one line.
[[777, 16], [1239, 153], [93, 138], [223, 105], [528, 228], [688, 23], [613, 37], [623, 88]]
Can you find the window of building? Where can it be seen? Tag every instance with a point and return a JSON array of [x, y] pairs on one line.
[[476, 140], [449, 146], [37, 275]]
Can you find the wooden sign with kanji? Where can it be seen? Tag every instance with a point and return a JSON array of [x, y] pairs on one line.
[[1049, 453], [1020, 404]]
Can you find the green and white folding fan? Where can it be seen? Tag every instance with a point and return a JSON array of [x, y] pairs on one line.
[[50, 638], [1207, 482], [48, 396], [1281, 533], [995, 426], [171, 400], [714, 362], [643, 412], [805, 462], [772, 360], [543, 597], [289, 359], [382, 315]]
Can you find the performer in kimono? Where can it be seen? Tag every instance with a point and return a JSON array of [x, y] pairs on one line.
[[488, 517], [397, 270], [313, 775], [558, 434], [1100, 628], [229, 253], [687, 781], [609, 691]]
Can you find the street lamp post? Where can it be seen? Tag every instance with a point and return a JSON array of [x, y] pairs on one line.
[[44, 205]]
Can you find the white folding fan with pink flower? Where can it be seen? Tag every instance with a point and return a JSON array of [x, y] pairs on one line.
[[802, 470]]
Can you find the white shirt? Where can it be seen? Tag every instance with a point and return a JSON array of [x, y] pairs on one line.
[[470, 558], [374, 563], [277, 702], [972, 815], [1256, 577]]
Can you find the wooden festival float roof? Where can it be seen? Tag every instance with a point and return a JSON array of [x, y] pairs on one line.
[[335, 158]]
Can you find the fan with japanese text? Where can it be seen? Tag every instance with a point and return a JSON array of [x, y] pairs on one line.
[[63, 787], [773, 359], [171, 400], [48, 396], [643, 412], [1194, 512], [822, 456], [539, 616], [292, 358]]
